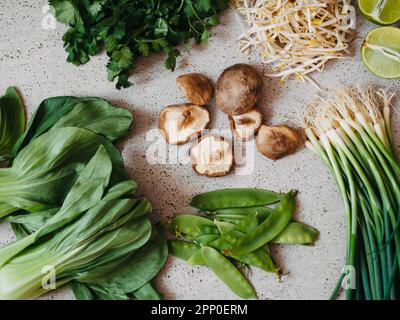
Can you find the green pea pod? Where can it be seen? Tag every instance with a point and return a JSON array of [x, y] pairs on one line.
[[197, 259], [221, 244], [234, 198], [297, 233], [238, 213], [224, 227], [269, 229], [259, 258], [209, 229], [233, 236], [243, 259], [182, 249], [188, 225], [227, 272], [205, 239], [229, 219], [248, 224]]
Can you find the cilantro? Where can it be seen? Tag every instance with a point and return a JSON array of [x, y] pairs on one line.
[[128, 29]]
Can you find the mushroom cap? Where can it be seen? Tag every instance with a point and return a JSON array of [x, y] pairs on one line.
[[212, 156], [197, 88], [180, 123], [276, 142], [246, 125], [238, 89]]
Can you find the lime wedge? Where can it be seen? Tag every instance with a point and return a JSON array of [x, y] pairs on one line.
[[381, 52], [384, 12]]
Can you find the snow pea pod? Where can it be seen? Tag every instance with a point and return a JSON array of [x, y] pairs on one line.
[[227, 272], [245, 225], [297, 233], [188, 225], [182, 249], [224, 227], [239, 213], [233, 219], [221, 244], [269, 229], [197, 259], [234, 198], [209, 229], [205, 239], [248, 224], [259, 258]]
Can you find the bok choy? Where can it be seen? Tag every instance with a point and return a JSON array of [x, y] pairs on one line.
[[62, 136], [44, 171], [73, 210], [12, 122], [100, 239]]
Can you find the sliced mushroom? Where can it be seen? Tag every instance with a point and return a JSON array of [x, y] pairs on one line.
[[196, 87], [238, 89], [212, 156], [278, 141], [246, 125], [180, 123]]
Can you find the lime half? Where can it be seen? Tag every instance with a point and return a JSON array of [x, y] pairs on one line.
[[381, 52], [384, 12]]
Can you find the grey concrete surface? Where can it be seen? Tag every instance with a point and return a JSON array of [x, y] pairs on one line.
[[33, 59]]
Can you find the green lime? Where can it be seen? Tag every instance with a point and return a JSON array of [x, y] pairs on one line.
[[381, 52], [384, 12]]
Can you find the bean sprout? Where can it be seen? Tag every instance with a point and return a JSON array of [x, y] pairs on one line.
[[297, 37]]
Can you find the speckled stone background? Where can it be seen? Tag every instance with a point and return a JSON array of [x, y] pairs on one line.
[[32, 58]]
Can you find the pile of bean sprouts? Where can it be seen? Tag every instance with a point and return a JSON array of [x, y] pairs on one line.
[[297, 37]]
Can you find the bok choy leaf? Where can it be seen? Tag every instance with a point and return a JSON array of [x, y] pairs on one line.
[[92, 113], [12, 122], [45, 170]]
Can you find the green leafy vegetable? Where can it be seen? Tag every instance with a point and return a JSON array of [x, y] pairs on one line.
[[128, 29], [101, 239], [62, 136], [73, 209], [12, 122], [45, 170], [95, 114]]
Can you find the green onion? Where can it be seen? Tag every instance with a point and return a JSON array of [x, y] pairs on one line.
[[351, 132]]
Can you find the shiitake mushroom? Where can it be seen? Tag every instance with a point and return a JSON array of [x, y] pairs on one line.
[[197, 88], [246, 125], [276, 142], [238, 89], [212, 156], [180, 123]]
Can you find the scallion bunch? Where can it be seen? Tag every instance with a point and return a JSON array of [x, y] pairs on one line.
[[351, 132]]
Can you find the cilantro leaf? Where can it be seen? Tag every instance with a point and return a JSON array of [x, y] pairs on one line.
[[144, 48], [123, 57], [65, 11], [204, 5], [170, 63]]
